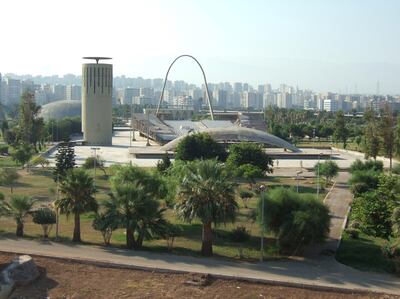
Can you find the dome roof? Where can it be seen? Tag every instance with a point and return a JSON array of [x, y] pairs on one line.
[[237, 134], [61, 109]]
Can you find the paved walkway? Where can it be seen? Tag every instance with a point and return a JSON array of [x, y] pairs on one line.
[[338, 200], [324, 272]]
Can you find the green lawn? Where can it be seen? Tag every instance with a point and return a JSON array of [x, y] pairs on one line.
[[364, 254], [7, 161], [38, 182]]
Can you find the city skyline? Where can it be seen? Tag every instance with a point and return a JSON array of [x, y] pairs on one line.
[[324, 46]]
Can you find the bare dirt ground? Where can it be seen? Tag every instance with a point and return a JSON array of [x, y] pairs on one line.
[[68, 279]]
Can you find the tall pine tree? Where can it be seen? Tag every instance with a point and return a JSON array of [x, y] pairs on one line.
[[371, 137], [341, 133], [30, 126], [387, 130], [65, 160]]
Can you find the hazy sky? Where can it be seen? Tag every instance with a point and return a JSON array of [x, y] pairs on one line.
[[323, 45]]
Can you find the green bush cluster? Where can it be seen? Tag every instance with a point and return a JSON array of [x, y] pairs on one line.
[[294, 218]]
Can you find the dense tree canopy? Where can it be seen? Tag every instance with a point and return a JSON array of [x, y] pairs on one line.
[[199, 146], [249, 153]]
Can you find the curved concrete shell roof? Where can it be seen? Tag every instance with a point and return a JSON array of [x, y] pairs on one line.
[[237, 134], [61, 109]]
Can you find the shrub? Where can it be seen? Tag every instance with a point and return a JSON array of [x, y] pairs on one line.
[[391, 249], [396, 169], [39, 160], [91, 162], [46, 218], [368, 177], [171, 232], [353, 233], [373, 213], [8, 176], [359, 188], [328, 169], [22, 153], [249, 172], [164, 164], [249, 153], [245, 195], [295, 219], [373, 165], [106, 224], [3, 149], [355, 224], [240, 235], [395, 220]]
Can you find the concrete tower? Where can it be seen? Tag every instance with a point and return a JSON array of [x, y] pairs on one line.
[[97, 80]]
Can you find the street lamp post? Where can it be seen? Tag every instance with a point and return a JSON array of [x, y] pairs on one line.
[[318, 183], [262, 189], [148, 128], [56, 206], [318, 178], [95, 149], [133, 131], [297, 179]]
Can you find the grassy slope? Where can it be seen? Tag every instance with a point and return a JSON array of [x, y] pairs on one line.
[[364, 254]]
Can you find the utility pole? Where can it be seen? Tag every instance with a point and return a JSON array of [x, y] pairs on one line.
[[318, 176], [262, 189], [57, 209], [95, 149], [297, 179], [148, 127], [133, 131]]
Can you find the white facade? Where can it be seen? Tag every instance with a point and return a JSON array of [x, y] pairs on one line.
[[330, 105], [97, 103]]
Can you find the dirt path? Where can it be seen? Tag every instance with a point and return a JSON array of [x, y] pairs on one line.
[[66, 279]]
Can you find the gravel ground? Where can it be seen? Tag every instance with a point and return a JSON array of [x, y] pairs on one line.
[[68, 279]]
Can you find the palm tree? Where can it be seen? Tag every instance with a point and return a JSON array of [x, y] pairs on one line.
[[77, 189], [206, 193], [137, 211], [19, 207]]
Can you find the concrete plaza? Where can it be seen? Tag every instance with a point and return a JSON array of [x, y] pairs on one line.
[[118, 153]]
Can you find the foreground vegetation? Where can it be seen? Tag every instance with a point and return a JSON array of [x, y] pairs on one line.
[[372, 238], [40, 184]]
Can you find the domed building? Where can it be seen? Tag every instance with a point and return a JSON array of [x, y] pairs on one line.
[[61, 109]]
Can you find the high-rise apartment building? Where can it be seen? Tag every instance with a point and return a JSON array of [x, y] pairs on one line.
[[146, 92], [59, 92], [249, 100], [220, 98], [284, 100], [330, 105], [237, 87], [73, 93], [13, 91], [125, 95]]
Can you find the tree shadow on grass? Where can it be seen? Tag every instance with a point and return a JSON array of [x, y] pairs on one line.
[[21, 185], [302, 189]]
